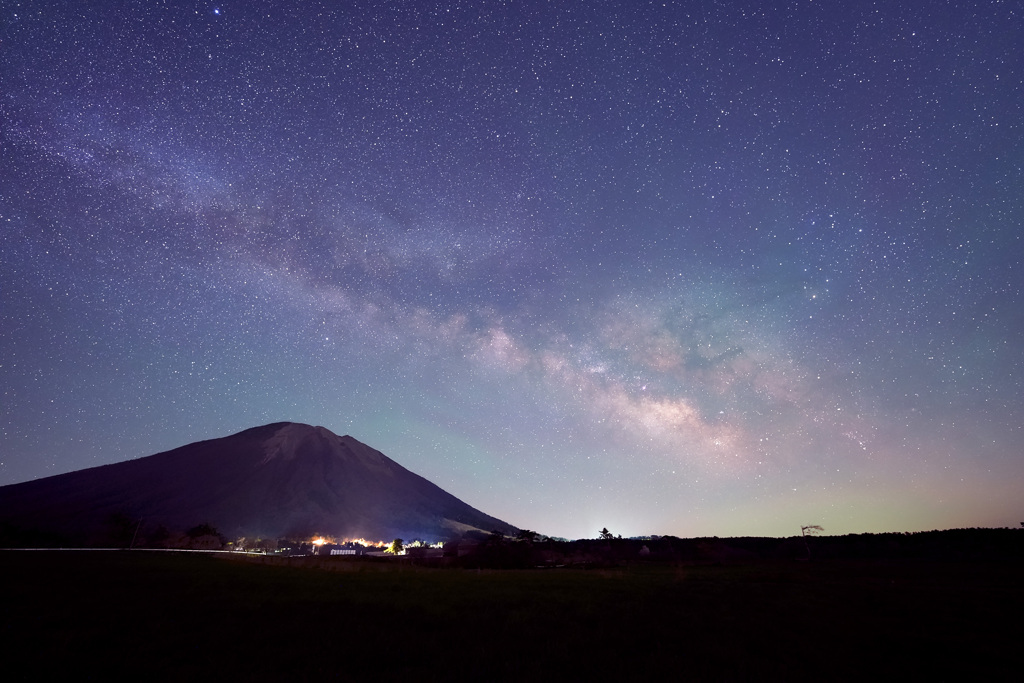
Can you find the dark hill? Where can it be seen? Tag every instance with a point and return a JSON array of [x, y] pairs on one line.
[[280, 480]]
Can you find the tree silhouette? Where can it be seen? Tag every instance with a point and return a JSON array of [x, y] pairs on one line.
[[396, 547], [809, 530], [204, 529], [205, 536], [527, 535], [606, 535]]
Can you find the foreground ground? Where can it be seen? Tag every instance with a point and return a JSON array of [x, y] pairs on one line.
[[176, 617]]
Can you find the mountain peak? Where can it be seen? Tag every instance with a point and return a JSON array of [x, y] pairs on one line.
[[291, 438]]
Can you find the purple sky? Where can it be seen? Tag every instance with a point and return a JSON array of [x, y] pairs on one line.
[[682, 268]]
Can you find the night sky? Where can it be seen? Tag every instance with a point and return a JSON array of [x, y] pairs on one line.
[[690, 268]]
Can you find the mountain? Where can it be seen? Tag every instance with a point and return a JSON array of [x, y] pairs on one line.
[[283, 480]]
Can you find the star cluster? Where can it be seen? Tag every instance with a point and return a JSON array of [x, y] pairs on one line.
[[669, 267]]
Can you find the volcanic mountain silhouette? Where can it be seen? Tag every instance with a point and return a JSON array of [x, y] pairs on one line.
[[282, 480]]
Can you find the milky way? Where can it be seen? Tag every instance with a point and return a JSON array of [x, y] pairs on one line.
[[667, 268]]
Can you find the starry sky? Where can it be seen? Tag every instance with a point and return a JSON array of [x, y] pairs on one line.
[[690, 268]]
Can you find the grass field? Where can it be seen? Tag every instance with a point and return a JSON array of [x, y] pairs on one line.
[[165, 616]]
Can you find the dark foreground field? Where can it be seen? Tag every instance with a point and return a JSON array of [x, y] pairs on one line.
[[100, 615]]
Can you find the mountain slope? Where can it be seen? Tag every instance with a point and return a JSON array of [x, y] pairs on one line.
[[280, 480]]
